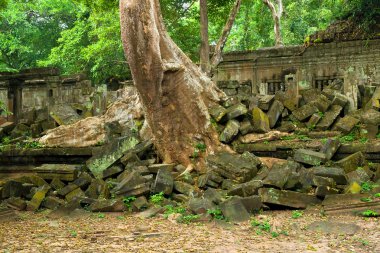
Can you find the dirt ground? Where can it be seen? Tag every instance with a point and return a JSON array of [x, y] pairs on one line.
[[118, 232]]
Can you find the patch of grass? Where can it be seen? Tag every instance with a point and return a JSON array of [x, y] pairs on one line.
[[297, 214], [368, 186], [128, 202], [347, 138], [187, 219], [366, 199], [370, 213], [201, 147], [303, 137], [377, 195], [170, 209], [101, 215], [363, 140], [73, 233], [262, 226], [216, 214], [156, 199], [288, 137]]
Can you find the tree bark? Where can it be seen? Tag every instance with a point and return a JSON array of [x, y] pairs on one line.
[[217, 56], [276, 15], [174, 92], [205, 46]]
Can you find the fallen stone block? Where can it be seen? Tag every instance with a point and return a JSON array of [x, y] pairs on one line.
[[37, 199], [12, 189], [359, 175], [265, 102], [201, 205], [213, 195], [234, 210], [184, 188], [322, 191], [230, 131], [323, 181], [77, 193], [112, 172], [97, 189], [322, 103], [217, 112], [52, 203], [287, 198], [133, 185], [275, 112], [64, 114], [279, 174], [151, 212], [110, 154], [305, 112], [164, 182], [83, 181], [246, 189], [309, 157], [252, 203], [154, 168], [67, 189], [140, 203], [371, 117], [329, 118], [57, 184], [346, 124], [352, 162], [16, 204], [235, 111], [330, 148], [108, 205], [260, 121], [313, 121], [340, 99], [337, 174], [246, 127]]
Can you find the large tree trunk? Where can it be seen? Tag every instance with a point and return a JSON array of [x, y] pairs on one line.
[[205, 46], [175, 94], [276, 15], [217, 56]]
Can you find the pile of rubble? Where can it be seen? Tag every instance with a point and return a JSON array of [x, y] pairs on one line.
[[328, 110], [125, 173]]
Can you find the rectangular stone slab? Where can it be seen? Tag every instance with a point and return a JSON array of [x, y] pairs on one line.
[[287, 198]]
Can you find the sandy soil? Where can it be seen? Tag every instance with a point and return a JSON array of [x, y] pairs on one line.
[[117, 232]]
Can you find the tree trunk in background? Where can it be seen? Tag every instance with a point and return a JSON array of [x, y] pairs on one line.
[[174, 92], [276, 15], [217, 56], [205, 46]]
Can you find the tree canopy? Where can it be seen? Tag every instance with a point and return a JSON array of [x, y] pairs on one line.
[[84, 36]]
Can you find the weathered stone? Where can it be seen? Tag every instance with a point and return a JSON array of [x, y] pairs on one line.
[[212, 184], [287, 127], [246, 127], [309, 157], [252, 203], [37, 181], [322, 191], [133, 185], [37, 199], [217, 112], [16, 204], [77, 193], [234, 210], [213, 195], [201, 205], [20, 130], [140, 203], [65, 172], [260, 121], [359, 175], [108, 205], [305, 112], [310, 95], [227, 184], [154, 168], [164, 182], [183, 188], [329, 118], [323, 181], [230, 131], [330, 148], [371, 117], [246, 189], [313, 121], [97, 188], [371, 131], [182, 198], [151, 212], [112, 171], [57, 184], [215, 177], [275, 112], [337, 228], [67, 189], [52, 202], [352, 162], [322, 103], [64, 114], [110, 154], [235, 111], [240, 168], [83, 181], [340, 99], [287, 198], [280, 173], [346, 124], [265, 102], [12, 189], [337, 174]]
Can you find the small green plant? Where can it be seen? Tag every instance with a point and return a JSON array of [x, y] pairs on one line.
[[73, 233], [347, 138], [377, 195], [363, 140], [275, 234], [101, 215], [370, 213], [288, 137], [378, 136], [368, 186], [157, 198], [363, 242], [128, 202], [187, 219], [263, 226], [201, 147], [266, 142], [216, 214], [321, 114], [366, 199], [6, 140], [170, 209], [297, 214], [303, 137]]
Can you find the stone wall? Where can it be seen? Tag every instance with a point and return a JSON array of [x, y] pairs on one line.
[[41, 89], [296, 69]]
